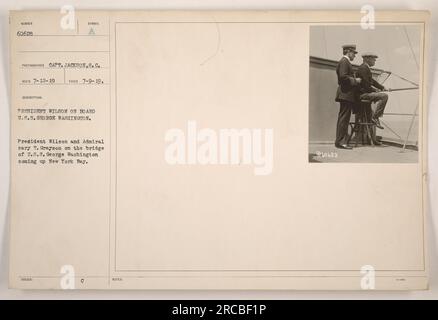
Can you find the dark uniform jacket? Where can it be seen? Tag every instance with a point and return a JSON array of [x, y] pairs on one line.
[[364, 72], [348, 86]]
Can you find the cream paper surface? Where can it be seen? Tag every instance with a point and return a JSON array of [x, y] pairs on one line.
[[120, 217]]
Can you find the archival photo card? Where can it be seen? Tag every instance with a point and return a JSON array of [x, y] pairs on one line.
[[250, 150]]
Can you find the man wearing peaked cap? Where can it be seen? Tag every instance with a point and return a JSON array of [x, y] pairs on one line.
[[369, 54], [370, 89], [346, 94], [350, 47]]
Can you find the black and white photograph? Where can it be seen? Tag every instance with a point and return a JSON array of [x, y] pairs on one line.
[[364, 101]]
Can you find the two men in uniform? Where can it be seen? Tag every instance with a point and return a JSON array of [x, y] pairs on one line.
[[353, 87]]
